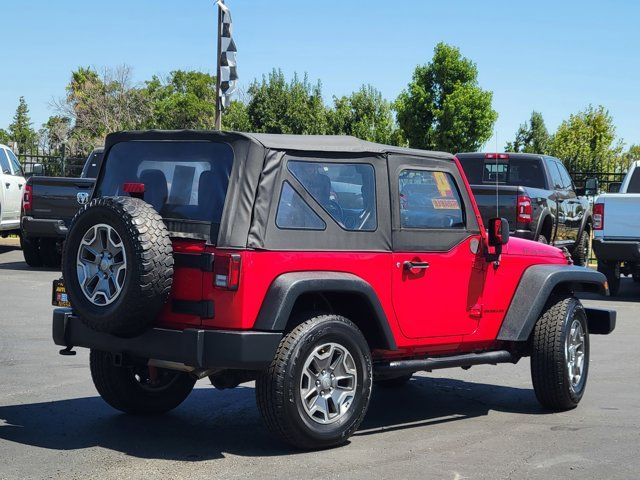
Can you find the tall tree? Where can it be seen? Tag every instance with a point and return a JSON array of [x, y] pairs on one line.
[[55, 132], [586, 142], [236, 118], [5, 138], [531, 137], [20, 130], [185, 99], [631, 155], [279, 106], [443, 108], [363, 114]]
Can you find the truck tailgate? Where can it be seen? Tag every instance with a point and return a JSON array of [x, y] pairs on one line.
[[486, 199], [57, 197], [621, 218]]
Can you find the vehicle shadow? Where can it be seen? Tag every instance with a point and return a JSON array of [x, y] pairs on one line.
[[629, 292], [211, 422], [8, 248], [22, 266]]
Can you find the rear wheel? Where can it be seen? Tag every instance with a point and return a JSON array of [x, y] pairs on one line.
[[580, 254], [560, 354], [611, 270], [316, 391], [50, 252], [139, 389], [31, 251]]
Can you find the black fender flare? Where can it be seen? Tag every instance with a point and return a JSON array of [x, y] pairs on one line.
[[286, 288], [546, 212], [536, 286]]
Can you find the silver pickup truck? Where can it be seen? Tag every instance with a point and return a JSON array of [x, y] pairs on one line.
[[616, 229]]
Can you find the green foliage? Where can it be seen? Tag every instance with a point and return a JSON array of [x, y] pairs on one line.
[[55, 132], [278, 106], [443, 107], [236, 118], [586, 142], [185, 99], [5, 138], [531, 137], [363, 114], [20, 130], [631, 155]]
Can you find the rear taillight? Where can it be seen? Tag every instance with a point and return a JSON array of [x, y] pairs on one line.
[[496, 156], [598, 216], [524, 209], [226, 270], [27, 197]]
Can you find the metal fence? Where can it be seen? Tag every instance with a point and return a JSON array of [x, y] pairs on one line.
[[604, 179], [55, 164]]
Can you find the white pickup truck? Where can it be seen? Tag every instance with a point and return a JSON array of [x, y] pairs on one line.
[[11, 186], [616, 229]]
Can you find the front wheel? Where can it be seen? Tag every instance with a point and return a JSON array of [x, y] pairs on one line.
[[316, 391], [139, 389], [560, 354]]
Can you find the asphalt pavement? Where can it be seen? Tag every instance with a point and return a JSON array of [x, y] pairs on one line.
[[481, 423]]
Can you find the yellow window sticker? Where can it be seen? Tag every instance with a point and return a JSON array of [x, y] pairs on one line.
[[442, 182]]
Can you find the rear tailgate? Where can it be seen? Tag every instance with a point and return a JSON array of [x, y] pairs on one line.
[[505, 201], [57, 197], [621, 219]]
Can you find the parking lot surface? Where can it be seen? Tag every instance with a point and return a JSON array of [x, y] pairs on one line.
[[481, 423]]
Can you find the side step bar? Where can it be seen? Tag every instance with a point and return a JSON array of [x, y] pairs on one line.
[[401, 367]]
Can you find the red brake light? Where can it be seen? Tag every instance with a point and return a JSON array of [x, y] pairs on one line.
[[226, 270], [496, 156], [133, 187], [524, 209], [27, 198], [598, 216]]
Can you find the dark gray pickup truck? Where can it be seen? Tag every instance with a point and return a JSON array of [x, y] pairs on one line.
[[536, 194], [48, 206]]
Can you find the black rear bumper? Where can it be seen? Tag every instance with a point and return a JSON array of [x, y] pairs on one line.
[[616, 250], [199, 348], [43, 227]]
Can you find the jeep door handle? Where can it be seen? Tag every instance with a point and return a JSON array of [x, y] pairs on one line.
[[7, 185], [408, 265]]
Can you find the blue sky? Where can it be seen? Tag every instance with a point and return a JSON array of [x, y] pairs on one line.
[[552, 56]]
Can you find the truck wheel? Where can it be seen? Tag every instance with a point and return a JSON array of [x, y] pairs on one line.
[[118, 265], [393, 382], [316, 391], [636, 277], [580, 253], [31, 251], [139, 390], [611, 270], [51, 256], [560, 354]]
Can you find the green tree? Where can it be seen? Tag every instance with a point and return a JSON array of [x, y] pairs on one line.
[[20, 130], [278, 106], [631, 155], [236, 118], [363, 114], [531, 137], [185, 99], [55, 132], [5, 138], [586, 142], [443, 108]]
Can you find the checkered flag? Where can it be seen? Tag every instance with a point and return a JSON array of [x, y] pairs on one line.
[[228, 51]]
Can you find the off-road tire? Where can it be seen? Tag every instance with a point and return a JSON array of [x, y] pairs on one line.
[[580, 253], [611, 270], [549, 356], [119, 387], [395, 382], [277, 388], [51, 256], [149, 274], [31, 251]]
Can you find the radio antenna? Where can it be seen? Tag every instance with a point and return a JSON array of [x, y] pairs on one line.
[[497, 176]]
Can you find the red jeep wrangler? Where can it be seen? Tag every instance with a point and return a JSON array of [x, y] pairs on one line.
[[317, 266]]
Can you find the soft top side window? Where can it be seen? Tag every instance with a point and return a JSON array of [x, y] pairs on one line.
[[346, 191]]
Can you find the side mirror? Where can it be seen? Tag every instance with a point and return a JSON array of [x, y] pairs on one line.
[[591, 187], [37, 169], [498, 232], [614, 187]]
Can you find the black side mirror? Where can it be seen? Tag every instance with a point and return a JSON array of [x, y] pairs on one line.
[[591, 187], [37, 169], [614, 187], [498, 232]]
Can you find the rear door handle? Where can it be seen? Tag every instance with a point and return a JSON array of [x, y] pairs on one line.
[[409, 265], [7, 185]]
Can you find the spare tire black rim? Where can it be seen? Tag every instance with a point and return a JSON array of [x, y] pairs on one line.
[[101, 264]]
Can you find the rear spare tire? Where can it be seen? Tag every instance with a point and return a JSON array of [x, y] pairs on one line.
[[118, 265]]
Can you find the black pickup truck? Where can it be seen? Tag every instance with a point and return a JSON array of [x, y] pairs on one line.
[[48, 205], [536, 194]]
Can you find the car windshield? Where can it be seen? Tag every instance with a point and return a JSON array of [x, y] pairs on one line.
[[514, 171], [183, 180]]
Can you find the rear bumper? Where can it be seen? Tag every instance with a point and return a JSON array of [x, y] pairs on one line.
[[600, 321], [40, 227], [617, 250], [199, 348]]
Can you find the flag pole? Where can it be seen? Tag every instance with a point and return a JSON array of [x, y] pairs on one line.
[[218, 125]]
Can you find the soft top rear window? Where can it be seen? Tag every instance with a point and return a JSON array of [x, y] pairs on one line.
[[184, 180], [526, 172]]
